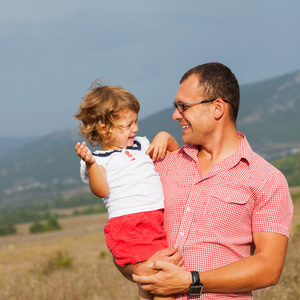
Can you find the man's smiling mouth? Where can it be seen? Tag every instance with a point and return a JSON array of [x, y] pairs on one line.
[[185, 126]]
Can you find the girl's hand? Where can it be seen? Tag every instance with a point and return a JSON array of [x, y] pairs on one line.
[[158, 147], [84, 153], [162, 144]]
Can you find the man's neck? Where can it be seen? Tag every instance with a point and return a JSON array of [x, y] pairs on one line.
[[219, 148]]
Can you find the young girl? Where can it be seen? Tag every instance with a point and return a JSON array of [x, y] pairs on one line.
[[122, 173]]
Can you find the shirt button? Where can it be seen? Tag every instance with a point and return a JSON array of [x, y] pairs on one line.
[[181, 233], [188, 208]]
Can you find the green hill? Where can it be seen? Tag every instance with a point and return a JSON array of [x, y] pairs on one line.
[[290, 167], [269, 115]]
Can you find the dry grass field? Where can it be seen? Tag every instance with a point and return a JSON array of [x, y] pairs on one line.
[[74, 264], [27, 270]]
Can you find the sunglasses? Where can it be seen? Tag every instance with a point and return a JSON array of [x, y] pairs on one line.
[[181, 107]]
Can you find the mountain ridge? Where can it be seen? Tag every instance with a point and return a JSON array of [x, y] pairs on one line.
[[268, 116]]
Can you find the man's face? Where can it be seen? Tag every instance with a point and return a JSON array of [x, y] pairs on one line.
[[196, 121]]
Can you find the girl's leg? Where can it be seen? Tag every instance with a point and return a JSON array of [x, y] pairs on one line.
[[145, 295], [163, 298]]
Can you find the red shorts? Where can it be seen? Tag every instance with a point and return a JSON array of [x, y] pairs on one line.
[[134, 238]]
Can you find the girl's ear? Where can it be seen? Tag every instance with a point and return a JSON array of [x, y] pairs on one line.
[[102, 129]]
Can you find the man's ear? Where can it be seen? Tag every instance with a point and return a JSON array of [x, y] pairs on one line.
[[219, 108]]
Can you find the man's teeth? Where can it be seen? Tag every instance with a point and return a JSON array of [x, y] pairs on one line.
[[185, 126]]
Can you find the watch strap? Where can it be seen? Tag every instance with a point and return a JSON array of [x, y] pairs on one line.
[[196, 286]]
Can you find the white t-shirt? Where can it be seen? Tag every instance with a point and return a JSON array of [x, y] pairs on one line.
[[134, 184]]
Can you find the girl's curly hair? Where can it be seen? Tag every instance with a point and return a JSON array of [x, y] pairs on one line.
[[100, 109]]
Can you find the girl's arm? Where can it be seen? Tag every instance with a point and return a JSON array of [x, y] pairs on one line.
[[162, 144], [97, 174]]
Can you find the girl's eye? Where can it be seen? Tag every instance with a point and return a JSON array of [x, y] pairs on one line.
[[128, 126]]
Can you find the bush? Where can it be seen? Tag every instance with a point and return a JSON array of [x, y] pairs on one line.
[[52, 223], [90, 210], [38, 227], [8, 229], [58, 261]]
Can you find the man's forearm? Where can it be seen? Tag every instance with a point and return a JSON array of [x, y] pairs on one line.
[[245, 275], [260, 270]]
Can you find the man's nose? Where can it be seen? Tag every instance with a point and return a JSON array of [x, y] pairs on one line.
[[176, 115]]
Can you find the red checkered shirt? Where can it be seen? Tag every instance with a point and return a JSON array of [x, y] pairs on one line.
[[212, 217]]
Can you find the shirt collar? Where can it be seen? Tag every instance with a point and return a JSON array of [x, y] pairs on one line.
[[244, 150], [136, 146], [190, 150]]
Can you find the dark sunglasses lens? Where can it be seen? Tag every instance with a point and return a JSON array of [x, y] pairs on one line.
[[179, 106]]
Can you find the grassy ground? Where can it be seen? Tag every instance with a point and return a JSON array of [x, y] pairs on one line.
[[29, 269], [74, 264]]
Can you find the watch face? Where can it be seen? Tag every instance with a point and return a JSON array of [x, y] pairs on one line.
[[195, 289]]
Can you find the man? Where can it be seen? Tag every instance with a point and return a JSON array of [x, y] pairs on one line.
[[227, 208]]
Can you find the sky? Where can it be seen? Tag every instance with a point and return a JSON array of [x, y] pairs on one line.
[[51, 51]]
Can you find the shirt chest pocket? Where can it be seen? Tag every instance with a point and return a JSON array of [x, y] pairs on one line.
[[226, 210]]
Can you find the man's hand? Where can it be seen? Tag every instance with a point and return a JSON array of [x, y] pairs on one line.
[[169, 254], [84, 153], [169, 279]]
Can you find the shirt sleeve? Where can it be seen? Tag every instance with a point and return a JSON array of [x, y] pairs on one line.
[[273, 209], [83, 172], [144, 142]]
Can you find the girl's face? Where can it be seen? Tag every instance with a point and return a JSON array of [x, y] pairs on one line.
[[123, 137]]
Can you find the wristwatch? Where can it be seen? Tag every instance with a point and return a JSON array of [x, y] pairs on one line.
[[196, 286]]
